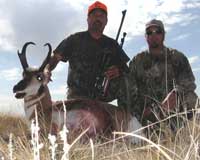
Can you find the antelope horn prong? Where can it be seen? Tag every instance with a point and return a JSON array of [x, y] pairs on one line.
[[22, 55], [47, 58]]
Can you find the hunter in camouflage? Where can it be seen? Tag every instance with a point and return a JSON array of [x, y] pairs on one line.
[[160, 78], [84, 56], [93, 57]]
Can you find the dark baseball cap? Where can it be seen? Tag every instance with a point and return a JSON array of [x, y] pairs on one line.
[[155, 22]]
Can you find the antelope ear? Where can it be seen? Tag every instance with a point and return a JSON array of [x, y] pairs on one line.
[[46, 81]]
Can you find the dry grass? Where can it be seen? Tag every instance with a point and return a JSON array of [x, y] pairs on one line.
[[184, 145], [15, 125]]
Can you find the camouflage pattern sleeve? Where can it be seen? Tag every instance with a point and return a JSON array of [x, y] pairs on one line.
[[65, 48], [184, 76], [123, 92], [185, 80], [132, 86]]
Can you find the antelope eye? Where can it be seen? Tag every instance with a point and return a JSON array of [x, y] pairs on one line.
[[39, 78]]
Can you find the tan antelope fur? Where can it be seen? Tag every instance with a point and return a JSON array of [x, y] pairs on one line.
[[81, 114]]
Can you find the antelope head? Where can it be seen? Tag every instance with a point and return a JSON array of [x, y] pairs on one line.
[[32, 83]]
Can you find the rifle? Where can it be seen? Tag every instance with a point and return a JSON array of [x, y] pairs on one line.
[[102, 84], [120, 26]]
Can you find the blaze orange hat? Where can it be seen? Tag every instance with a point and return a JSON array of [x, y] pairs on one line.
[[97, 5]]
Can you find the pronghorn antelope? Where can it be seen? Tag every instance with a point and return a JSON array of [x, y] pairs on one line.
[[98, 117]]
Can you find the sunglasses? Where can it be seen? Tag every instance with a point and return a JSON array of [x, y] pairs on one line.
[[158, 31]]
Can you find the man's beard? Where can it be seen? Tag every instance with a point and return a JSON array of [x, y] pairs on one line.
[[97, 26], [154, 45]]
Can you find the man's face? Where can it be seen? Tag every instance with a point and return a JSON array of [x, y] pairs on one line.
[[97, 20], [155, 37]]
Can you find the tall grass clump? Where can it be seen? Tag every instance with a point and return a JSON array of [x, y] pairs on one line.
[[36, 145], [17, 142]]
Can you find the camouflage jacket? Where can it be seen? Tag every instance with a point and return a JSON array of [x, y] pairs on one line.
[[153, 77], [84, 54]]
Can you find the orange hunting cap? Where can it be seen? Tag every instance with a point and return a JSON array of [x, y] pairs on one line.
[[97, 5]]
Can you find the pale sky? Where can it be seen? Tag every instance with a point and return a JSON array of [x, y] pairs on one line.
[[51, 21]]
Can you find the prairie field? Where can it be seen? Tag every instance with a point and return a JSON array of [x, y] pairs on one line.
[[16, 144]]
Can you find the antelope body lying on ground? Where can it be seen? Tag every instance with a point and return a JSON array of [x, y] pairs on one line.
[[81, 114]]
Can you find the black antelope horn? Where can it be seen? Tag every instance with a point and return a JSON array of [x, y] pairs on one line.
[[47, 58], [22, 55]]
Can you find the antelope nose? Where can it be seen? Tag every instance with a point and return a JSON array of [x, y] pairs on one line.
[[19, 86], [15, 88]]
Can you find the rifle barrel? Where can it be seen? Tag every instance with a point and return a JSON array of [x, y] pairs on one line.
[[120, 27]]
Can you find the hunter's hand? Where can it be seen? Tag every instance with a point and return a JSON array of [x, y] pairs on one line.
[[169, 103], [47, 76], [112, 72]]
